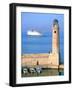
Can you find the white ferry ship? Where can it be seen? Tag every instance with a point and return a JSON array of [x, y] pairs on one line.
[[33, 33]]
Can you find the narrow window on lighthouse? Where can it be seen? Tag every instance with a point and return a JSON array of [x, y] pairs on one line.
[[54, 31]]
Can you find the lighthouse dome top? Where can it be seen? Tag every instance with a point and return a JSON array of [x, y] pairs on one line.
[[55, 22]]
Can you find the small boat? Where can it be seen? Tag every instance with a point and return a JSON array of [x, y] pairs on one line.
[[25, 70], [38, 69], [33, 33], [32, 70]]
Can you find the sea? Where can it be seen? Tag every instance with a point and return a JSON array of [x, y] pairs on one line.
[[41, 44]]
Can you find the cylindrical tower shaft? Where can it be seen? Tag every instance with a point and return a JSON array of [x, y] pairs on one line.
[[55, 37]]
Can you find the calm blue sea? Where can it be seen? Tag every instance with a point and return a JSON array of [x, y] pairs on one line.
[[41, 44]]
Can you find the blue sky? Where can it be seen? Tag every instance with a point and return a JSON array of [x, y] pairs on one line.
[[40, 21]]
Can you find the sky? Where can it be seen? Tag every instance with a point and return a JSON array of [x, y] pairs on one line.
[[40, 21]]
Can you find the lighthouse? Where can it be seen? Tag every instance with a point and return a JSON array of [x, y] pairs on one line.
[[55, 42], [55, 37]]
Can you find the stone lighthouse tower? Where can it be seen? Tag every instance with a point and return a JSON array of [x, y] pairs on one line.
[[55, 41], [55, 37]]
